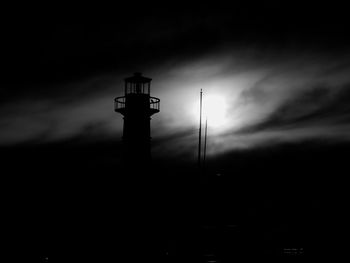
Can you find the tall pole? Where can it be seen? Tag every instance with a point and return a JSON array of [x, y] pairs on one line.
[[200, 130], [205, 140]]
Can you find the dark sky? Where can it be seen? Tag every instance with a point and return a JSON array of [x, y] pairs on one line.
[[283, 69]]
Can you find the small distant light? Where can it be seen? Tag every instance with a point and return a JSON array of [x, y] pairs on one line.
[[293, 251]]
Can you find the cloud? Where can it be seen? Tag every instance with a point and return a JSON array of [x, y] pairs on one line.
[[274, 96], [275, 100], [82, 109], [321, 104]]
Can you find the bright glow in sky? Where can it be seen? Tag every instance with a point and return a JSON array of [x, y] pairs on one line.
[[248, 101], [214, 109]]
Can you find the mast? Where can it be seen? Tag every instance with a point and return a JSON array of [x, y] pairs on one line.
[[200, 130], [205, 140]]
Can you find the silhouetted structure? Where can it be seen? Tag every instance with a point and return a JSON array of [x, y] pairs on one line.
[[137, 106]]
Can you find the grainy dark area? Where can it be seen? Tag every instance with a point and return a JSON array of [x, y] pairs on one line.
[[273, 187]]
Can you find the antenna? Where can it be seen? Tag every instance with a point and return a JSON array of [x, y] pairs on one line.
[[205, 140], [200, 130]]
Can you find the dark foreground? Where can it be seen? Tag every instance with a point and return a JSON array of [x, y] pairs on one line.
[[78, 206]]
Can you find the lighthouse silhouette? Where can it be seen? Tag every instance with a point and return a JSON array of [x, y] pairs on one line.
[[137, 106]]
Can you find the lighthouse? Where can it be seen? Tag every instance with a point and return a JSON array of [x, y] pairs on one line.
[[137, 106]]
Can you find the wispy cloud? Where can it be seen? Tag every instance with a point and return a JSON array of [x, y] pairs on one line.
[[79, 109], [273, 97]]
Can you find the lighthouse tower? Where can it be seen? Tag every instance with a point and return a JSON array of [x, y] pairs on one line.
[[137, 106]]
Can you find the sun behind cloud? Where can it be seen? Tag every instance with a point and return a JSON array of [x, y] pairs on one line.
[[215, 109]]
